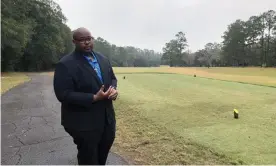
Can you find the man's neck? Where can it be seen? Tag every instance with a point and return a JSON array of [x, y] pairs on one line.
[[82, 52]]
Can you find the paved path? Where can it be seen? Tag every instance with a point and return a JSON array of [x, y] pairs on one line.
[[31, 130]]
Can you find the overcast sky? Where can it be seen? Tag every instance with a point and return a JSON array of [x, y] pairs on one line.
[[151, 23]]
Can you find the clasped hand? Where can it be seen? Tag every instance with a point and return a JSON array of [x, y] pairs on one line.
[[111, 94]]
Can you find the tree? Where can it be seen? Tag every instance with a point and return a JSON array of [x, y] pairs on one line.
[[127, 56], [16, 32], [270, 22], [234, 43], [211, 54], [250, 42], [245, 42], [174, 51], [34, 35]]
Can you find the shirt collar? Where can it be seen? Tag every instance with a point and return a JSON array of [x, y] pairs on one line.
[[91, 54]]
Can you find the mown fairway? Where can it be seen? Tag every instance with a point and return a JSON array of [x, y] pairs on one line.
[[181, 119]]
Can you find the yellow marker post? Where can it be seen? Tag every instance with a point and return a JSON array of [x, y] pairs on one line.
[[236, 114]]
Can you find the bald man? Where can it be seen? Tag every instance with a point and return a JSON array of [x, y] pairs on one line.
[[85, 84]]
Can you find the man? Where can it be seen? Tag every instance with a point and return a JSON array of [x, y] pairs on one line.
[[85, 84]]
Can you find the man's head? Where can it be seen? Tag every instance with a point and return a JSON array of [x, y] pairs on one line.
[[83, 40]]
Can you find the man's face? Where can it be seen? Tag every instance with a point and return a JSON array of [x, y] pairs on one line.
[[84, 41]]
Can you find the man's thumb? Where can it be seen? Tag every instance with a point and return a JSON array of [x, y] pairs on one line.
[[102, 88]]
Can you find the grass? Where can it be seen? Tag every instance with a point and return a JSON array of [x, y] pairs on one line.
[[165, 116], [10, 80], [252, 75], [178, 119]]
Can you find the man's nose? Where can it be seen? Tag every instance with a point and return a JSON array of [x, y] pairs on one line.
[[86, 42]]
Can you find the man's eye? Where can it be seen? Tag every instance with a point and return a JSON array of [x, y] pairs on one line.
[[87, 39]]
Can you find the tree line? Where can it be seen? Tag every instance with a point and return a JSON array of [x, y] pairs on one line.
[[245, 43], [127, 56], [35, 36]]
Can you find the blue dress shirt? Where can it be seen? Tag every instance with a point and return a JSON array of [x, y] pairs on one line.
[[95, 65]]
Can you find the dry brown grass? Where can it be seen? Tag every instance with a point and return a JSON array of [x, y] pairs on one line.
[[251, 75], [10, 80], [259, 76]]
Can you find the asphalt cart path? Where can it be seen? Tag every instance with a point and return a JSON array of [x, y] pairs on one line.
[[31, 132]]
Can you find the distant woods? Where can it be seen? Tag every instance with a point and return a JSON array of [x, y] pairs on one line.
[[127, 56], [245, 43], [35, 36]]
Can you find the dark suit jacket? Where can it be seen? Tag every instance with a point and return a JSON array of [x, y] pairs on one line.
[[75, 83]]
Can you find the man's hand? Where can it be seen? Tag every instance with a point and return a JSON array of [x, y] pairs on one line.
[[102, 95], [113, 95]]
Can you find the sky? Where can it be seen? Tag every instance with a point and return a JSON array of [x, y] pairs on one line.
[[149, 24]]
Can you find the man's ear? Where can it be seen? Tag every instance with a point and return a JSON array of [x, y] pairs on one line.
[[74, 41]]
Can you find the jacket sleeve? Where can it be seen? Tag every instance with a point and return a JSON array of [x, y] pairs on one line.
[[64, 88]]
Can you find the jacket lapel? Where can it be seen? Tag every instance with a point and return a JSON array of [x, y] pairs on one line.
[[87, 66]]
